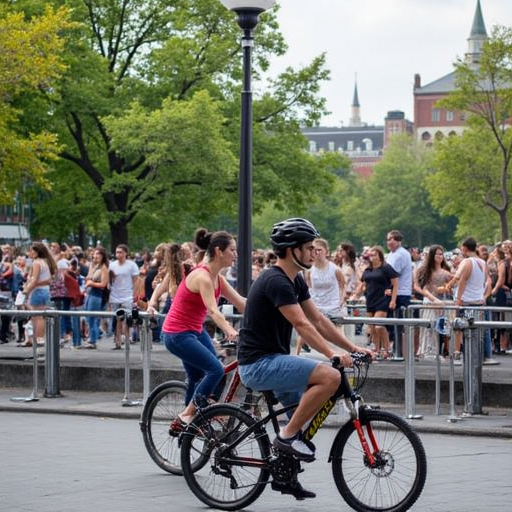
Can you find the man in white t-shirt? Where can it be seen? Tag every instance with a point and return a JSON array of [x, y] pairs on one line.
[[123, 277]]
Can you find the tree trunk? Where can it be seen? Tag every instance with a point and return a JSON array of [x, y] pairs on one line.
[[118, 234], [504, 224], [82, 242]]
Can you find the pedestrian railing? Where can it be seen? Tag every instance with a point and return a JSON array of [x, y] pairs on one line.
[[445, 323]]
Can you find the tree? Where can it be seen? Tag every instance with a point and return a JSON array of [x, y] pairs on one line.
[[30, 64], [323, 208], [394, 197], [467, 169], [137, 64], [483, 91]]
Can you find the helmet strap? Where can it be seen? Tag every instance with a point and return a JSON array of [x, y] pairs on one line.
[[302, 266]]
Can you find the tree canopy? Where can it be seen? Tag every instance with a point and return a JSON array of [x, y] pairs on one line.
[[148, 116], [472, 173], [30, 64], [394, 197]]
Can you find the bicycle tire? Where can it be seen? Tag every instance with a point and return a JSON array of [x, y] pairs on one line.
[[161, 408], [218, 483], [397, 483]]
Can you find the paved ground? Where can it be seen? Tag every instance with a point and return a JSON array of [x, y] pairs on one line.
[[495, 421], [56, 463]]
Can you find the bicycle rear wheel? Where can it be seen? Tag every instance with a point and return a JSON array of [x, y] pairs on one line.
[[161, 408], [230, 479], [396, 479]]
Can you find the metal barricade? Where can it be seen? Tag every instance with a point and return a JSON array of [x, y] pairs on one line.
[[473, 356], [52, 353], [410, 381], [472, 329], [52, 357]]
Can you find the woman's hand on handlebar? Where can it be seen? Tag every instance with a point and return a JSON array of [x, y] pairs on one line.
[[151, 310], [230, 334]]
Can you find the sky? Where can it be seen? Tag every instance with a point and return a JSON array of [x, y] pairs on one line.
[[384, 42]]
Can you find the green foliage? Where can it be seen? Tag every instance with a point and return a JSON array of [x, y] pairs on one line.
[[467, 177], [394, 197], [30, 62], [484, 153], [324, 209], [148, 114]]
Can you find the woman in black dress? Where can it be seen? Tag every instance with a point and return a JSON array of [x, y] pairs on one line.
[[380, 285]]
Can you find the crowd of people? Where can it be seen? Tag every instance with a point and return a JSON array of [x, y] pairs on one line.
[[298, 285], [70, 278]]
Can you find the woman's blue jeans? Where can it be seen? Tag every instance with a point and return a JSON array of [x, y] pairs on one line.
[[93, 303], [197, 353]]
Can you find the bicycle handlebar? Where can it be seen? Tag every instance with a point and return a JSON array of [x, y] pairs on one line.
[[358, 359], [223, 343]]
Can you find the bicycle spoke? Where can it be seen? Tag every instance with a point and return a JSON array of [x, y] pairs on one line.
[[230, 478], [395, 479]]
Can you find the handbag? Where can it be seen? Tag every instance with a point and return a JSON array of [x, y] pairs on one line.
[[73, 290], [20, 298]]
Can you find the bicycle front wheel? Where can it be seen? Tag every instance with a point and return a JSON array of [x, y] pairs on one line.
[[234, 473], [395, 479], [161, 408]]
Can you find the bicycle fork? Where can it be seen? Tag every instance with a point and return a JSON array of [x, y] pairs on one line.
[[368, 452]]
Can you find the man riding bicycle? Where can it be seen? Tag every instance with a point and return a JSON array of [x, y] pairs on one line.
[[279, 301]]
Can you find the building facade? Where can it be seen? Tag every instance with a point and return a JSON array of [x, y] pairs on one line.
[[362, 144], [430, 121], [365, 145]]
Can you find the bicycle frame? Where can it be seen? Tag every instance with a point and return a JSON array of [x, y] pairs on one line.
[[316, 422], [235, 381]]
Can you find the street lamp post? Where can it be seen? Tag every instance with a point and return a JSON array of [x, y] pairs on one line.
[[248, 12]]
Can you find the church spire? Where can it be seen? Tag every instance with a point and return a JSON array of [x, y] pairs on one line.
[[477, 37], [355, 118], [355, 101]]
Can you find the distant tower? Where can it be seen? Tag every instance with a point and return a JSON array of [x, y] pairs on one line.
[[355, 118], [477, 37]]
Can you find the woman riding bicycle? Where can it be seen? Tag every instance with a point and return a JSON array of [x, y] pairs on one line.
[[279, 301], [196, 297]]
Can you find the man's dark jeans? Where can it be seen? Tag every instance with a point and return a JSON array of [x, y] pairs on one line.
[[396, 333]]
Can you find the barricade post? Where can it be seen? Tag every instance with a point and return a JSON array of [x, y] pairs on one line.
[[52, 357], [146, 341], [410, 375], [451, 349], [472, 370], [122, 317]]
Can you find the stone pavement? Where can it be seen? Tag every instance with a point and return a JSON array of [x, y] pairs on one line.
[[92, 382]]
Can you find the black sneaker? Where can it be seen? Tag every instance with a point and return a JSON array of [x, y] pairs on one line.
[[294, 488], [295, 446]]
